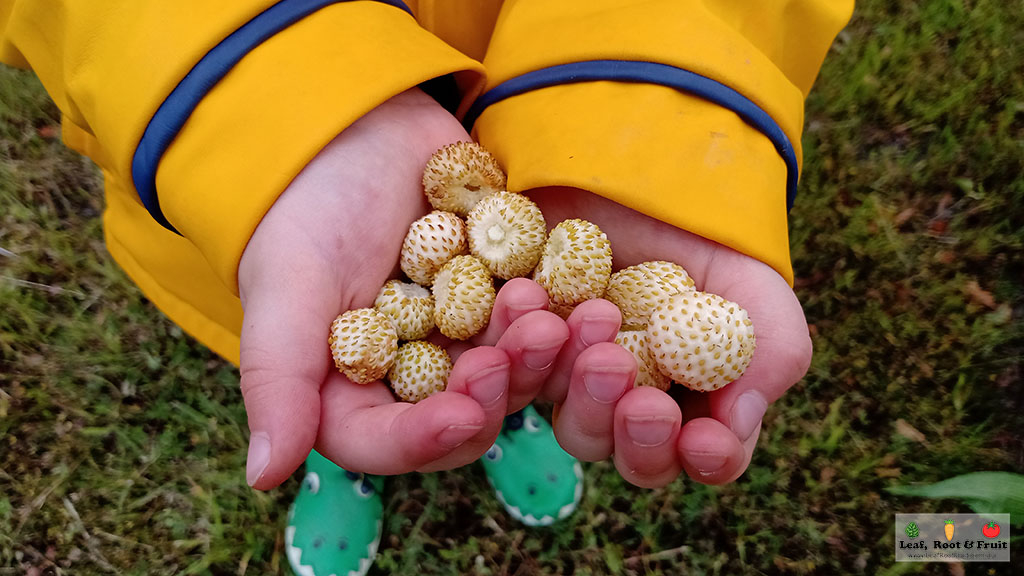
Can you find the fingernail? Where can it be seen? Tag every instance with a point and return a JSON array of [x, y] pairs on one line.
[[650, 430], [489, 385], [596, 329], [605, 385], [706, 463], [747, 413], [540, 358], [457, 434], [258, 457]]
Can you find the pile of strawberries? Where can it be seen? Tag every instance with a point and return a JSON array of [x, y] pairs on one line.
[[479, 232]]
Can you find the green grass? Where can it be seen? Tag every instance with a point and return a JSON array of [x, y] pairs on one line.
[[122, 442]]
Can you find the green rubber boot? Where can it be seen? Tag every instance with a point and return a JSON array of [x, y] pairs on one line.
[[536, 481], [335, 523]]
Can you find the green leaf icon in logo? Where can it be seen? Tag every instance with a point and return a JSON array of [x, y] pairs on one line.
[[911, 530]]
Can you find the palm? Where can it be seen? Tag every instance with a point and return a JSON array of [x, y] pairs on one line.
[[327, 245], [716, 423]]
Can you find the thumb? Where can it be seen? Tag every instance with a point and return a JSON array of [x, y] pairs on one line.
[[782, 354], [284, 359]]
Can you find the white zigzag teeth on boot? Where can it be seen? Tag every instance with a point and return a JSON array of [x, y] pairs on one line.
[[566, 510], [528, 519], [295, 554], [371, 553], [577, 495], [569, 508]]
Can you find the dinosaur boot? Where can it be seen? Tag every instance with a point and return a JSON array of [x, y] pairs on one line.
[[335, 523], [536, 481]]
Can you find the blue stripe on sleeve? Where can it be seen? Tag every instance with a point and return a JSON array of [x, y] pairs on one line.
[[650, 73], [171, 116]]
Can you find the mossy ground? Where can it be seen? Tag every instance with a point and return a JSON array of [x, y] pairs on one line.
[[122, 441]]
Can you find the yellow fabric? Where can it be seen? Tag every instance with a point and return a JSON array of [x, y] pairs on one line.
[[231, 148], [699, 168], [465, 25], [656, 150], [109, 65], [172, 272]]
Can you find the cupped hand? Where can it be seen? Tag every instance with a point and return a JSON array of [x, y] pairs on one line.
[[651, 435], [327, 245]]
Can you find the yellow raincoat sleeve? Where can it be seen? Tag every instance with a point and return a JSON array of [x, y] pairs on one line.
[[204, 111], [686, 110]]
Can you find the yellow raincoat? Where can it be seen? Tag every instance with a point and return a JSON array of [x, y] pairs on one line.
[[201, 112]]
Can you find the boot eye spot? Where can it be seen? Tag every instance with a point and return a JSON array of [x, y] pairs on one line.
[[312, 482], [363, 488]]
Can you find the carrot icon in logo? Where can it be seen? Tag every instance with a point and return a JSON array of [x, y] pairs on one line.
[[949, 529]]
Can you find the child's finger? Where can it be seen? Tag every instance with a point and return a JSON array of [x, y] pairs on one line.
[[283, 362], [532, 343], [364, 430], [584, 423], [783, 351], [647, 423], [591, 322], [481, 373], [711, 454], [516, 298]]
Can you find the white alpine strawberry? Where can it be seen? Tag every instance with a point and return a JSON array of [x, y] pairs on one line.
[[460, 175], [700, 340], [647, 371], [637, 290], [421, 369], [430, 242], [363, 343], [463, 297], [575, 266], [409, 306], [507, 232]]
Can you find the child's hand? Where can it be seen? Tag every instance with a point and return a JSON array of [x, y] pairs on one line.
[[327, 245], [652, 437]]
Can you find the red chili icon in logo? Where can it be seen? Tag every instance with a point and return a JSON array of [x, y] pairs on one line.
[[990, 530]]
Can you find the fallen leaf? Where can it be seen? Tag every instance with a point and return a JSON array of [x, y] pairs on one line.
[[904, 215], [909, 432], [48, 132], [837, 543], [827, 474], [938, 226], [980, 296], [956, 569]]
